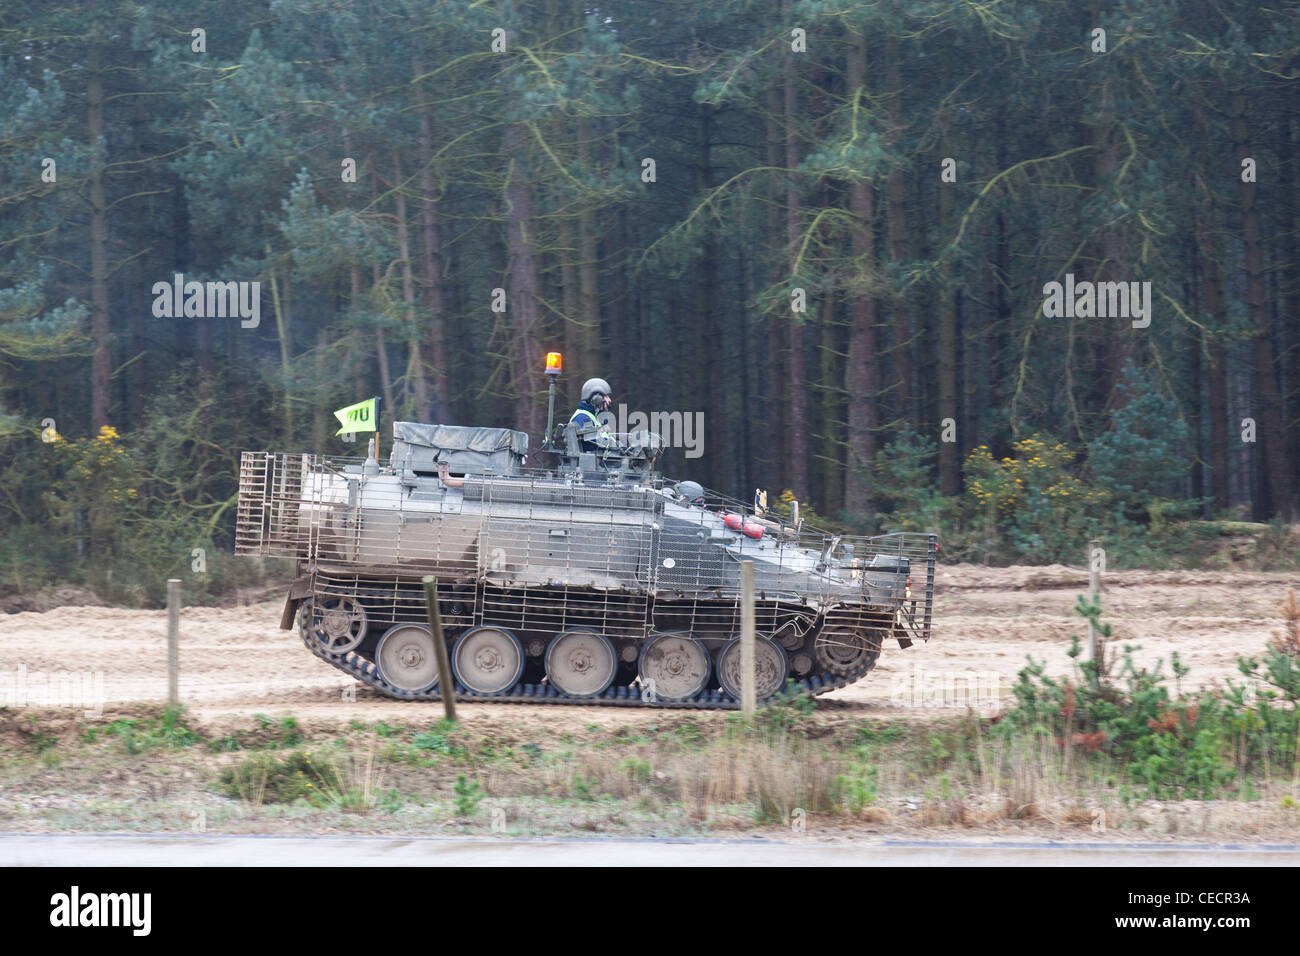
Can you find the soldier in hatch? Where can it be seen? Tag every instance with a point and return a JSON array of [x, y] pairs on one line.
[[595, 400]]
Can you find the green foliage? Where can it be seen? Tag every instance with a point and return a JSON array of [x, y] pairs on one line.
[[795, 698], [584, 788], [905, 484], [42, 741], [426, 748], [138, 736], [469, 794], [1144, 452], [1175, 746], [858, 786], [30, 558], [1039, 505], [478, 170], [865, 735], [357, 786], [637, 768], [122, 515], [95, 492], [1029, 504], [283, 732], [784, 505], [291, 733], [267, 778], [435, 740], [785, 712]]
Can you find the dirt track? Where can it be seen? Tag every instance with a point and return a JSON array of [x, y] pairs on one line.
[[236, 661]]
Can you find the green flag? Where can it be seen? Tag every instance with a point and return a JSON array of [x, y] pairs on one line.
[[361, 417]]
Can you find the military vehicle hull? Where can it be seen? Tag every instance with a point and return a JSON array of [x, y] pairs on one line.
[[589, 586]]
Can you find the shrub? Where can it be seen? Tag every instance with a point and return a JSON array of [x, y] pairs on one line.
[[267, 778], [905, 486], [168, 730], [355, 786], [1142, 456], [637, 768], [1030, 500], [1193, 745], [858, 786], [469, 794]]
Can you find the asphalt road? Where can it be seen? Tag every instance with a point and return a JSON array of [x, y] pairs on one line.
[[223, 850]]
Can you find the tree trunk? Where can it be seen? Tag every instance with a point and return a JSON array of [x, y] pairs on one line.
[[99, 319], [1268, 404], [621, 315], [710, 397], [778, 445], [1290, 236], [1112, 341], [319, 423], [205, 249], [360, 357], [280, 305], [751, 425], [588, 331], [1000, 389], [569, 300], [949, 464], [860, 371], [415, 359], [971, 342], [897, 227], [798, 398], [139, 377], [832, 484], [522, 272], [1216, 372], [434, 294], [381, 347]]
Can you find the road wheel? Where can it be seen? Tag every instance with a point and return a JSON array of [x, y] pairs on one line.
[[405, 658], [771, 667], [488, 660], [581, 663], [674, 667]]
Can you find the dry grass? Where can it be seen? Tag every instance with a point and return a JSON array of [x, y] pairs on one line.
[[778, 777], [823, 772], [360, 783], [250, 780]]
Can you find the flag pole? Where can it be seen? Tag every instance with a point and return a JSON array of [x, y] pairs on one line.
[[379, 406]]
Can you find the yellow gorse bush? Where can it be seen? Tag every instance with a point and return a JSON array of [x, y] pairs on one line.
[[1037, 468], [99, 481]]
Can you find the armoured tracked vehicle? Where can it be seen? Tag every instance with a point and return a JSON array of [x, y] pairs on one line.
[[594, 581]]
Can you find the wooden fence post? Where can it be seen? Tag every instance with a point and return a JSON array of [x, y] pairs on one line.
[[446, 681], [747, 638], [1094, 586], [173, 642]]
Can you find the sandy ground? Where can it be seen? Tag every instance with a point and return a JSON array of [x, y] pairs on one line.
[[235, 661]]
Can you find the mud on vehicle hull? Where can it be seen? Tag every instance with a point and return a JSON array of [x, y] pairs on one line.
[[806, 650]]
